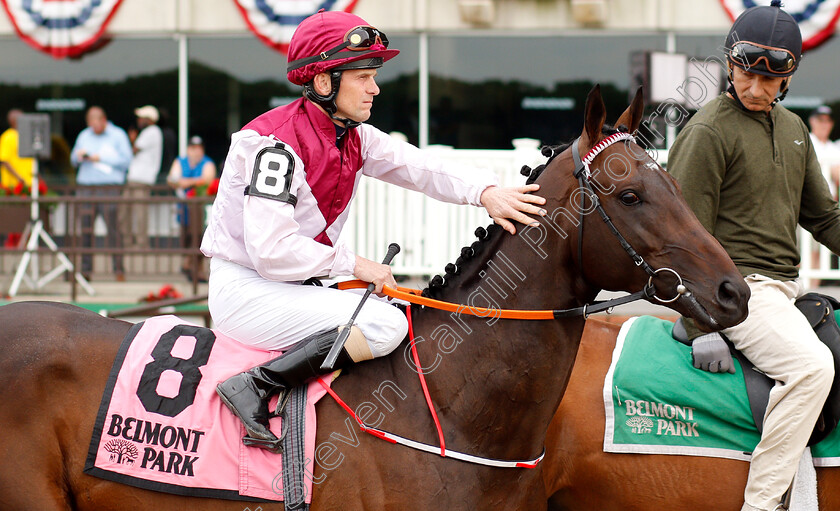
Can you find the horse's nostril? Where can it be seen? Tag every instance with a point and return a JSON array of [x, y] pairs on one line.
[[728, 293]]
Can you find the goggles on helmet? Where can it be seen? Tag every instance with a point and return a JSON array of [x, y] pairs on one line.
[[362, 38], [774, 60]]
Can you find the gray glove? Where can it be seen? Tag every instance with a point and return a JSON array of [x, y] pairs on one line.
[[710, 353]]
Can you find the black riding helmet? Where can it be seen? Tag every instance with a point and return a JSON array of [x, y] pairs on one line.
[[765, 40]]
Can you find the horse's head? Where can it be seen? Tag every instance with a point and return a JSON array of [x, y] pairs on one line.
[[666, 246]]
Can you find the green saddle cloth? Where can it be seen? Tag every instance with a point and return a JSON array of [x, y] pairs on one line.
[[656, 402]]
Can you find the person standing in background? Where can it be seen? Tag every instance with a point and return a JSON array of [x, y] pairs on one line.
[[13, 168], [828, 153], [102, 153], [170, 144], [142, 174], [188, 172]]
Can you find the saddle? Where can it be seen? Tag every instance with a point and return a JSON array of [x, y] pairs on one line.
[[819, 311]]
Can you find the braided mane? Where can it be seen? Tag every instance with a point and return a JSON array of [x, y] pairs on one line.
[[478, 252]]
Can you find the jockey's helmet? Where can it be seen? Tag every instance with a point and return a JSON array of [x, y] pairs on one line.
[[334, 41], [765, 40]]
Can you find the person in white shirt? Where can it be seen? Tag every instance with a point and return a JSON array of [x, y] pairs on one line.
[[142, 174], [288, 180], [828, 152]]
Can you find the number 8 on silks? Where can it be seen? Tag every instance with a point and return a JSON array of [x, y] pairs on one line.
[[273, 173]]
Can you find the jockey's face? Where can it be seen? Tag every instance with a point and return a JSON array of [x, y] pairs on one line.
[[355, 95], [755, 91]]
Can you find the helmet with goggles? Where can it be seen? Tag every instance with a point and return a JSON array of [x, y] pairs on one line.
[[765, 40], [334, 41]]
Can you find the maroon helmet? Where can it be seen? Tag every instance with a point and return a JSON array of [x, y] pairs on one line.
[[335, 39]]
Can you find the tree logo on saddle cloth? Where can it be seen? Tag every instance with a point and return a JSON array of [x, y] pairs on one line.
[[640, 425], [272, 177], [122, 451]]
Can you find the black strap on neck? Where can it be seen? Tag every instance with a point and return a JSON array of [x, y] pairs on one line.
[[731, 91], [604, 305], [579, 166], [339, 134]]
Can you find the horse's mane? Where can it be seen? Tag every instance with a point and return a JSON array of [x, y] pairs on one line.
[[487, 237]]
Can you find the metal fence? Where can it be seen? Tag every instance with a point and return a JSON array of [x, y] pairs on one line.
[[431, 233], [99, 222]]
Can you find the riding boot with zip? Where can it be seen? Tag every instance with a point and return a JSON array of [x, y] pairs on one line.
[[247, 394]]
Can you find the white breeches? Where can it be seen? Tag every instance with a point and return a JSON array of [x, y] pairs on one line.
[[276, 315]]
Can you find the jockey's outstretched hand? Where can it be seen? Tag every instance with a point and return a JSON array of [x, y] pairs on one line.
[[377, 273], [506, 204]]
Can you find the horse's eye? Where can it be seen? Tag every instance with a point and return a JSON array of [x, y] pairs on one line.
[[629, 198]]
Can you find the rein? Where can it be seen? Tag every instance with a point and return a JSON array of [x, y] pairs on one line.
[[441, 449], [583, 175], [413, 296]]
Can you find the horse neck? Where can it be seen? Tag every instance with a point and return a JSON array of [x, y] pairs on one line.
[[500, 381]]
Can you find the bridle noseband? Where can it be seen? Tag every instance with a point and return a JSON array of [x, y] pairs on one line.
[[583, 175]]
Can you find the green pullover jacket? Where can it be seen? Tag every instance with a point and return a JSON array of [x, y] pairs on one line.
[[750, 177]]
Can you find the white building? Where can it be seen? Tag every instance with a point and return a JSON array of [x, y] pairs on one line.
[[472, 73]]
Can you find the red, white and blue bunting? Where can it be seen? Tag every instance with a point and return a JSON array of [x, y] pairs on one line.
[[817, 18], [61, 28], [274, 21]]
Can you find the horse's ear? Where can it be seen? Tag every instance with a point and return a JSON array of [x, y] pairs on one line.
[[632, 117], [594, 115]]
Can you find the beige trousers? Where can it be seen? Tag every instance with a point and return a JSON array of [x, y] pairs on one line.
[[777, 338]]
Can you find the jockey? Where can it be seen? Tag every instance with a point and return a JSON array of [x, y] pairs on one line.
[[748, 169], [284, 196]]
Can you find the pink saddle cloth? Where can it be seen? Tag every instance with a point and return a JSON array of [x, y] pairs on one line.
[[161, 425]]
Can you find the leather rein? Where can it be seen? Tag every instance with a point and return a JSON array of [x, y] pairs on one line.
[[583, 175]]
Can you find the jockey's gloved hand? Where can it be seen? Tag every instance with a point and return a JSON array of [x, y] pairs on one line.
[[710, 353]]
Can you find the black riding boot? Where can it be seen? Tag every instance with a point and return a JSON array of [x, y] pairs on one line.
[[247, 394]]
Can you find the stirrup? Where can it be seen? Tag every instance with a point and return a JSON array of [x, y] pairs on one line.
[[275, 446], [269, 445], [282, 401]]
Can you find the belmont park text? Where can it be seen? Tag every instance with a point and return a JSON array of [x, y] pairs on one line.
[[673, 420]]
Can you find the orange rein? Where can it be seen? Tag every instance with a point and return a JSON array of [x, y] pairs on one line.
[[413, 296]]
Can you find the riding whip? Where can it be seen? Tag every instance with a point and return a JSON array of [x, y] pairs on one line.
[[329, 362]]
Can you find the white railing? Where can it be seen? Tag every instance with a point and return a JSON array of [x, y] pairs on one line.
[[815, 262], [432, 233]]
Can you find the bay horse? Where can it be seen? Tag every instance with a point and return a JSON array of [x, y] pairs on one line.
[[495, 383], [580, 476]]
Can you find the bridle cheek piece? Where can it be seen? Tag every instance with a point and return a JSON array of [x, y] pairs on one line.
[[584, 175]]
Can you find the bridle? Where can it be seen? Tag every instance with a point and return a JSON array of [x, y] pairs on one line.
[[584, 176]]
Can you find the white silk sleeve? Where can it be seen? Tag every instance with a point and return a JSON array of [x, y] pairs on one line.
[[271, 233], [279, 252], [405, 165]]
